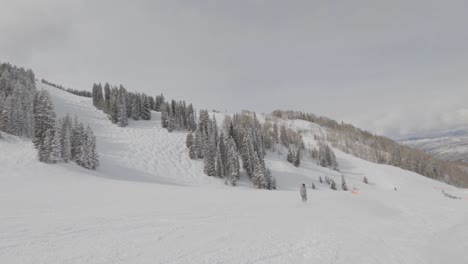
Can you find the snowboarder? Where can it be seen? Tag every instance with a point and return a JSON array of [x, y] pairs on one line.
[[304, 193]]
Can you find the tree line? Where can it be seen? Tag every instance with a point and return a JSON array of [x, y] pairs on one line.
[[178, 116], [278, 137], [61, 140], [82, 93], [121, 105], [29, 113], [17, 90], [380, 149], [240, 138]]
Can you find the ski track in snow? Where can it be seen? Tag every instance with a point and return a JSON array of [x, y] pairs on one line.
[[142, 151], [149, 203]]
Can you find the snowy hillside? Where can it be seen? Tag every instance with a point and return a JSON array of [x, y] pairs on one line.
[[150, 203], [449, 145]]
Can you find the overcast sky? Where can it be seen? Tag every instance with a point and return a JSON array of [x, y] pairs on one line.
[[393, 67]]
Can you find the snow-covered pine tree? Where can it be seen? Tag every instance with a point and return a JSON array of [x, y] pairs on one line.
[[204, 121], [114, 105], [246, 155], [272, 182], [146, 109], [258, 177], [56, 143], [209, 156], [97, 95], [275, 133], [66, 140], [297, 159], [92, 159], [284, 136], [192, 124], [198, 144], [78, 138], [365, 180], [332, 185], [190, 140], [214, 130], [223, 148], [290, 156], [159, 102], [44, 117], [171, 124], [220, 170], [45, 149], [193, 152], [151, 102], [232, 162], [396, 159], [343, 183], [122, 119], [136, 108], [107, 97], [82, 156], [333, 162]]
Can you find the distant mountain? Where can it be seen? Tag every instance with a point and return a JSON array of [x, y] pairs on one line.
[[447, 144]]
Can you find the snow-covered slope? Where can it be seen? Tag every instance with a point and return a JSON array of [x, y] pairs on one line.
[[449, 144], [149, 203]]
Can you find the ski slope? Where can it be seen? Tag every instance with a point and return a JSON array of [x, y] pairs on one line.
[[149, 203]]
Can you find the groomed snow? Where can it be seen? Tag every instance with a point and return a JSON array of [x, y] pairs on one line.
[[149, 203]]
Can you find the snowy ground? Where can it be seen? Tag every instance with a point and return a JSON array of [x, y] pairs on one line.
[[149, 203]]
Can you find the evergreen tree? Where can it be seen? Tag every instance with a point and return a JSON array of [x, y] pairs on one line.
[[56, 143], [209, 156], [290, 156], [92, 159], [146, 113], [232, 163], [190, 140], [45, 149], [198, 144], [284, 136], [193, 152], [258, 177], [107, 97], [275, 134], [44, 117], [78, 139], [247, 157], [122, 119], [192, 125], [272, 183], [136, 108], [343, 183], [114, 106], [297, 159], [219, 164], [66, 143], [332, 185]]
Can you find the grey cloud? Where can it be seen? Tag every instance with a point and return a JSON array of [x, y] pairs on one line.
[[388, 66]]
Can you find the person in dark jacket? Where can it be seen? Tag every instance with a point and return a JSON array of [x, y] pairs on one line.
[[303, 193]]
